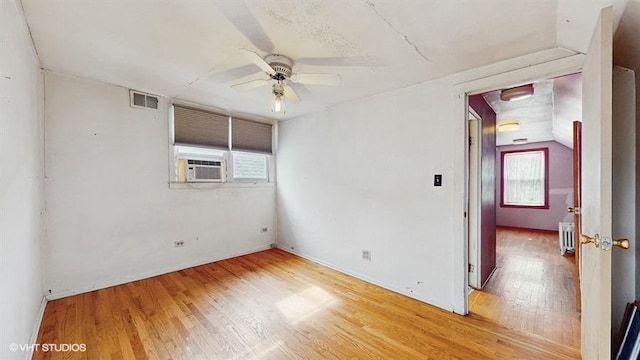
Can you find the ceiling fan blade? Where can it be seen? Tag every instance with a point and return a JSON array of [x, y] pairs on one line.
[[256, 59], [290, 94], [316, 79], [240, 16], [233, 74], [250, 84]]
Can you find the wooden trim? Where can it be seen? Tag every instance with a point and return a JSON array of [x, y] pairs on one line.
[[577, 203], [541, 231], [545, 151]]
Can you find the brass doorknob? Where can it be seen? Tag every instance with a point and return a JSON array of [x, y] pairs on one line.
[[622, 243], [586, 239], [604, 242]]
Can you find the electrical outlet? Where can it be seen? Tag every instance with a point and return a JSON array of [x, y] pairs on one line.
[[264, 230], [179, 243], [366, 255]]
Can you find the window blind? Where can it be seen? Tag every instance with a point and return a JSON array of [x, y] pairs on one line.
[[197, 127], [251, 136]]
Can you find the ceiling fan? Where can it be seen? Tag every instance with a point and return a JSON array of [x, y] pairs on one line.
[[279, 71], [278, 68]]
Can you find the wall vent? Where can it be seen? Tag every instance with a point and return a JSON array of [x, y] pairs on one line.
[[142, 100]]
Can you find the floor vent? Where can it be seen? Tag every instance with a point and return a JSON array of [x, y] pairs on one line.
[[142, 100]]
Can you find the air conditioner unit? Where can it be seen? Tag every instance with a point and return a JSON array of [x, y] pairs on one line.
[[202, 170]]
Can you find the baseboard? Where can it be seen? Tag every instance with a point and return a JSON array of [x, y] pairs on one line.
[[365, 278], [36, 328], [544, 231], [489, 277], [146, 275]]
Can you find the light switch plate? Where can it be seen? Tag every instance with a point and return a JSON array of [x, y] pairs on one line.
[[437, 180]]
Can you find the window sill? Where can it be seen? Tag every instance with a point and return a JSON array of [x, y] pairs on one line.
[[215, 186], [531, 207]]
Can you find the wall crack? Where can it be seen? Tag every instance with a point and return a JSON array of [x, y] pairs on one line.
[[372, 5]]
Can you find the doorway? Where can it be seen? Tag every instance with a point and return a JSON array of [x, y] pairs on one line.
[[520, 275]]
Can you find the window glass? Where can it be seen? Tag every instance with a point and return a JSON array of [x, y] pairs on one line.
[[524, 178], [250, 166]]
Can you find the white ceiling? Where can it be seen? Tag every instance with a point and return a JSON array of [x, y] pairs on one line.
[[189, 49], [546, 116]]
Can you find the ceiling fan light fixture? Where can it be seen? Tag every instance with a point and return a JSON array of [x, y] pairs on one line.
[[278, 98], [517, 93], [279, 68], [508, 126], [277, 104]]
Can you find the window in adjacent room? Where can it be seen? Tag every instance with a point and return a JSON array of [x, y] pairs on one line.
[[525, 178]]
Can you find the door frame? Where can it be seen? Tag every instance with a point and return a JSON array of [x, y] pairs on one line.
[[544, 70], [474, 207]]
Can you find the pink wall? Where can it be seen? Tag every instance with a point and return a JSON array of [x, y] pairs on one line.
[[560, 191]]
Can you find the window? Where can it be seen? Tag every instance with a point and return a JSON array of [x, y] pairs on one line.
[[247, 166], [525, 178], [209, 147]]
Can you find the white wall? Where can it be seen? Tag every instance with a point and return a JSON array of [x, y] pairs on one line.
[[21, 196], [623, 262], [110, 215], [360, 176], [626, 52]]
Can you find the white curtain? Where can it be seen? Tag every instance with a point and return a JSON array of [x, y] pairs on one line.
[[523, 178]]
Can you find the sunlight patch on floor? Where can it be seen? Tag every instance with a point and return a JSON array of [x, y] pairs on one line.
[[261, 351], [304, 304]]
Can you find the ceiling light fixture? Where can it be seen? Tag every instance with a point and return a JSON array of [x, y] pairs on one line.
[[517, 93], [278, 98], [508, 126]]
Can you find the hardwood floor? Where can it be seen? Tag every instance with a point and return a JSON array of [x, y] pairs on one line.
[[532, 290], [272, 305]]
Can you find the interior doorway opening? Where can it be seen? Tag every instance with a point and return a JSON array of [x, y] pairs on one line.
[[520, 274]]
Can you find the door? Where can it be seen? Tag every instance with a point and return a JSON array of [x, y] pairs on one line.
[[605, 209], [596, 210]]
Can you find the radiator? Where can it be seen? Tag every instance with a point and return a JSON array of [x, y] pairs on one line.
[[566, 236]]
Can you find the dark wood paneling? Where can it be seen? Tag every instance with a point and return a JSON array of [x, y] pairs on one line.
[[488, 186]]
